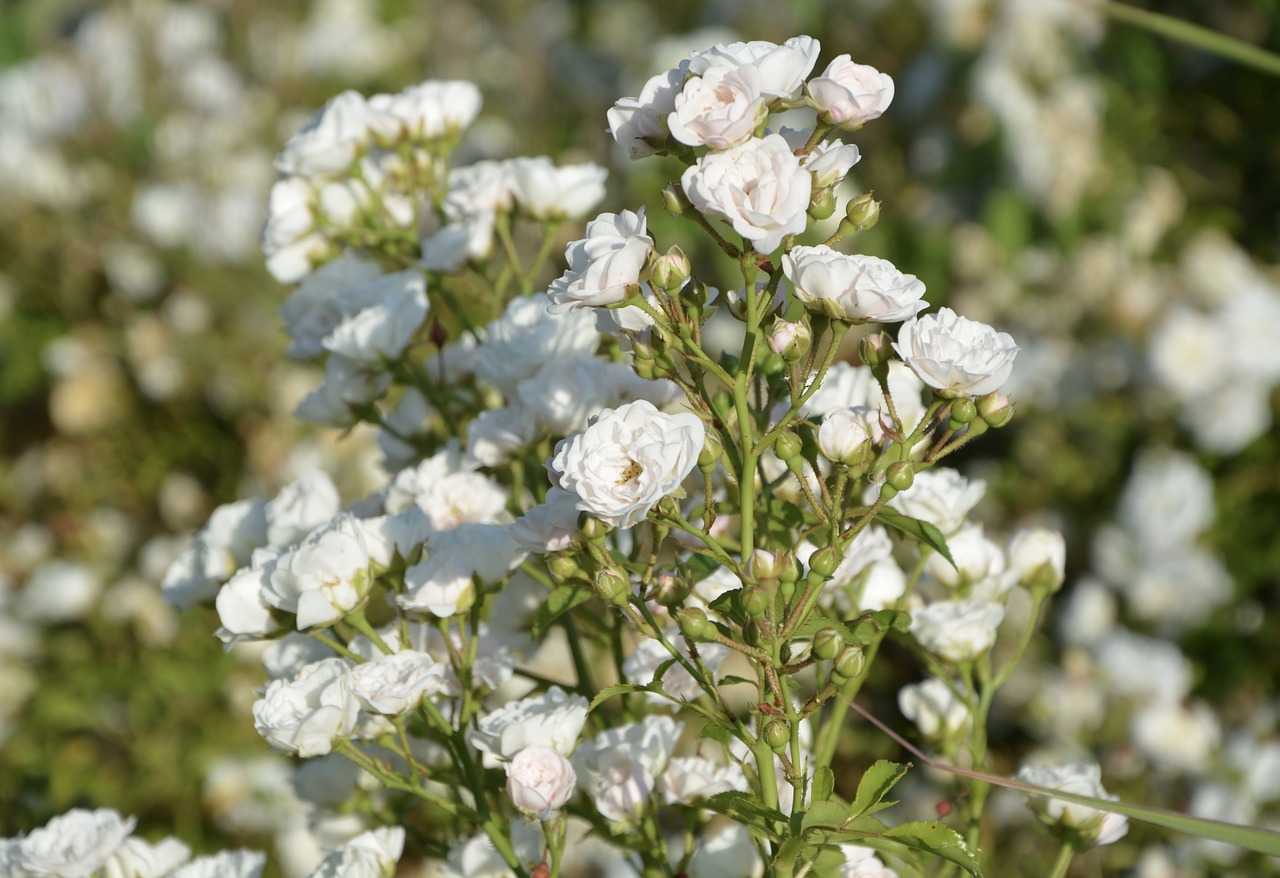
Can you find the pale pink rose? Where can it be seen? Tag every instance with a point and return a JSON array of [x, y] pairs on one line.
[[540, 780], [848, 94]]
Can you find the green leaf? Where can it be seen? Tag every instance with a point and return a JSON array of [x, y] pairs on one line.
[[784, 861], [874, 786], [825, 815], [730, 679], [562, 599], [921, 531], [938, 839], [824, 783], [747, 810], [715, 732], [616, 689], [829, 863]]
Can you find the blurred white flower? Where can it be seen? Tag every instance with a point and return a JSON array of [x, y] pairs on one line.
[[728, 853], [691, 778], [429, 110], [76, 844], [383, 328], [137, 858], [527, 336], [1082, 779], [957, 631], [58, 591], [934, 708], [393, 684], [547, 192], [227, 864], [327, 144], [372, 854], [940, 496], [1177, 737], [676, 682]]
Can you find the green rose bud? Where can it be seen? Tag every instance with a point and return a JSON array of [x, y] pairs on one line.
[[777, 734], [756, 602], [787, 445], [849, 663], [900, 475], [827, 643]]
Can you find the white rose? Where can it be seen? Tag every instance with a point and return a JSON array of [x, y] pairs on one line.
[[627, 460], [729, 853], [284, 657], [447, 489], [830, 161], [315, 308], [846, 435], [241, 602], [547, 192], [622, 787], [934, 708], [528, 335], [137, 858], [497, 435], [940, 496], [848, 94], [553, 719], [782, 68], [1038, 557], [432, 109], [222, 546], [1083, 779], [649, 743], [677, 683], [759, 188], [307, 714], [690, 778], [860, 862], [394, 684], [550, 526], [603, 264], [640, 123], [957, 631], [956, 356], [227, 864], [539, 781], [304, 504], [327, 144], [324, 578], [566, 393], [383, 329], [977, 559], [289, 240], [856, 288], [443, 583], [76, 844], [347, 385], [721, 108], [372, 854]]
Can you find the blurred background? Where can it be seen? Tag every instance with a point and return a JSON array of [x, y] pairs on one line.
[[1109, 197]]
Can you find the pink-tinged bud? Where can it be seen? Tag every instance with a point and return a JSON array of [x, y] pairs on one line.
[[995, 409], [845, 436], [791, 341], [669, 271]]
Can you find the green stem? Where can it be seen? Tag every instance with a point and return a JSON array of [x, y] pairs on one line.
[[1196, 36], [1060, 865]]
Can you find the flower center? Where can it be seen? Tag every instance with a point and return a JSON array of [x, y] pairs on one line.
[[629, 472]]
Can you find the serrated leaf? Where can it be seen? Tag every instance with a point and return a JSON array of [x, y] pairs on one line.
[[874, 786], [562, 599], [938, 839], [830, 863], [747, 810], [825, 815], [784, 861], [824, 783], [921, 531]]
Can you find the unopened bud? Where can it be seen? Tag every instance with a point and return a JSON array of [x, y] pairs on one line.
[[564, 568], [995, 409], [788, 567], [862, 212], [593, 528], [825, 561], [900, 475], [695, 625], [849, 663], [791, 341], [845, 436], [777, 734], [787, 445], [670, 590], [875, 349], [710, 454], [963, 410], [669, 271], [672, 201], [823, 204], [756, 602], [827, 643], [614, 586], [763, 565]]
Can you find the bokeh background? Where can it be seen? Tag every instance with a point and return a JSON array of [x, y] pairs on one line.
[[1108, 196]]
